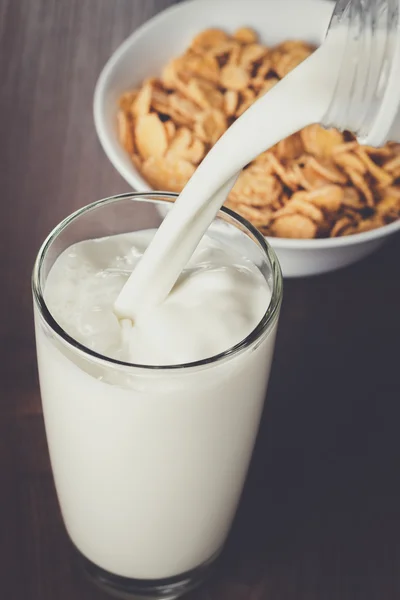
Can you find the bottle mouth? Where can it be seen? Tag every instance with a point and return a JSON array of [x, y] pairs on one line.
[[365, 34]]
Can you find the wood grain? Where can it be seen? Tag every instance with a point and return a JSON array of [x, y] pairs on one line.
[[319, 518]]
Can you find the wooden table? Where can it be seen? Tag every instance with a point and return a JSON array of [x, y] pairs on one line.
[[320, 515]]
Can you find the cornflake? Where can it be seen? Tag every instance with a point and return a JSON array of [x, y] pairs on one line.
[[316, 183]]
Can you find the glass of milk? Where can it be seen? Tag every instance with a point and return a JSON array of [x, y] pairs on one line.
[[149, 461]]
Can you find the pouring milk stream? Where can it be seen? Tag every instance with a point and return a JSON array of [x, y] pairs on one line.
[[302, 97], [348, 79]]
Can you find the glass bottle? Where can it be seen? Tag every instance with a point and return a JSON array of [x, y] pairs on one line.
[[366, 100]]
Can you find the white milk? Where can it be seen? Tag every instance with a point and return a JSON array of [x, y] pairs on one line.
[[218, 300], [149, 465]]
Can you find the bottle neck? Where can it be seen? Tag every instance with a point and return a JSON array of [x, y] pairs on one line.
[[367, 94]]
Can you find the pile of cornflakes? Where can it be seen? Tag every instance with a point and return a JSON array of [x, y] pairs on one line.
[[316, 183]]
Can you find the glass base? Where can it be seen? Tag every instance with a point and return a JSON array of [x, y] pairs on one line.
[[146, 589]]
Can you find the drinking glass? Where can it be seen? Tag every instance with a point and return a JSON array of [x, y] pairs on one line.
[[149, 462]]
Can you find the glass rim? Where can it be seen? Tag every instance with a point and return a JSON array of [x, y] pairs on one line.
[[268, 318]]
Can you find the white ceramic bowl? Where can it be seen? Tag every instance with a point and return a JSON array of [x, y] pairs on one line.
[[148, 49]]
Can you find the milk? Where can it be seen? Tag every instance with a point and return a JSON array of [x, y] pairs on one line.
[[218, 300], [149, 464]]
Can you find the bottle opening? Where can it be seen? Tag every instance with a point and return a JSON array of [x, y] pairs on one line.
[[365, 35]]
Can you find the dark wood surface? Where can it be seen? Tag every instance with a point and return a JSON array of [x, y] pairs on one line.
[[320, 514]]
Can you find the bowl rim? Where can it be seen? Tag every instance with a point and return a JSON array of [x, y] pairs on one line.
[[137, 181]]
